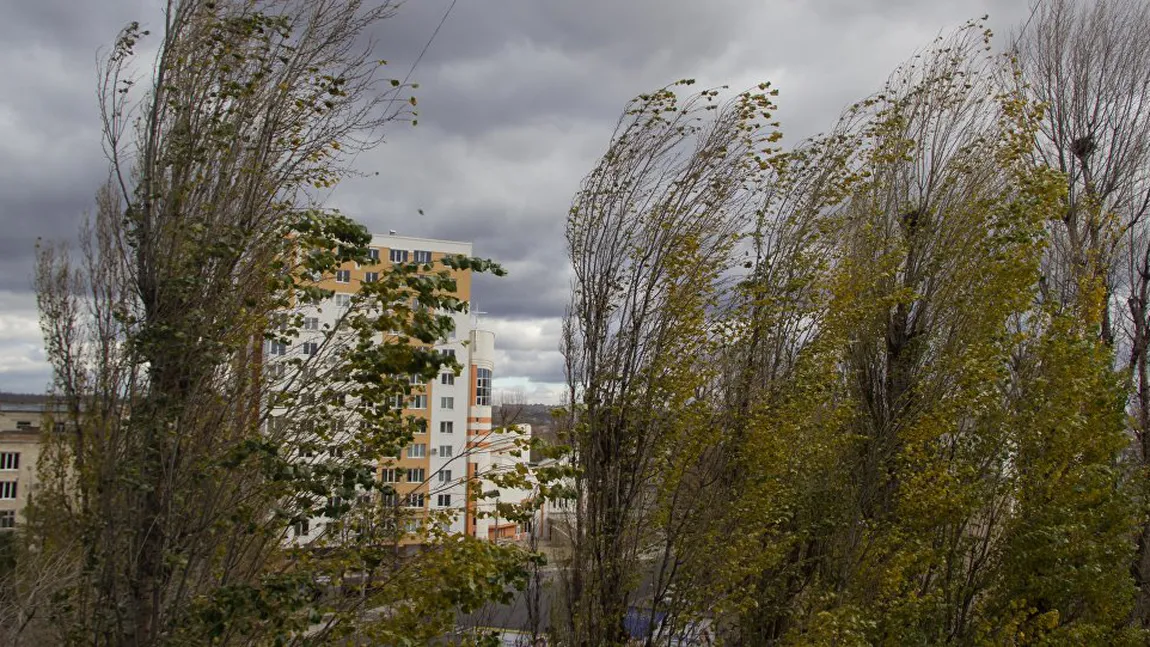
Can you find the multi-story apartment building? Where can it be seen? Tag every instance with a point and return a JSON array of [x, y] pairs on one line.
[[434, 472]]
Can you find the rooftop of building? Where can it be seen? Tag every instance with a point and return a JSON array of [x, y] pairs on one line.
[[20, 402], [391, 238]]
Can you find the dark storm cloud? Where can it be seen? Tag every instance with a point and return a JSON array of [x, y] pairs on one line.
[[50, 156], [517, 100]]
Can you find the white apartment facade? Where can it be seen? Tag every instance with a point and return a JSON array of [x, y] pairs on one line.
[[438, 467]]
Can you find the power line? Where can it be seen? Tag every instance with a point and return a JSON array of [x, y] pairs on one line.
[[429, 42], [406, 77]]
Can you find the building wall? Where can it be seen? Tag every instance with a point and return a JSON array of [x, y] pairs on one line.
[[446, 400], [20, 424], [495, 452]]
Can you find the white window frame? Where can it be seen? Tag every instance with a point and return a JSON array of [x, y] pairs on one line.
[[418, 402], [370, 277], [483, 387], [310, 348], [447, 426], [343, 276], [417, 450], [447, 378], [446, 451], [443, 501], [8, 490], [311, 323], [374, 254], [445, 476], [422, 256], [415, 475], [447, 402], [397, 255], [9, 461], [7, 519], [342, 300]]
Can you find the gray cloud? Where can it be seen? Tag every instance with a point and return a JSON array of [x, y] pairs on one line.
[[517, 100], [22, 367]]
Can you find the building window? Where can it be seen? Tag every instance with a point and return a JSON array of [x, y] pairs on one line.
[[390, 475], [310, 348], [397, 255], [311, 323], [9, 460], [422, 256], [7, 490], [343, 300], [445, 450], [444, 476], [447, 378], [443, 500], [23, 424], [374, 254], [446, 403], [447, 427], [418, 450], [343, 276], [414, 500], [301, 527], [483, 387], [277, 348], [448, 352], [370, 277], [7, 518], [416, 474], [418, 402], [416, 379]]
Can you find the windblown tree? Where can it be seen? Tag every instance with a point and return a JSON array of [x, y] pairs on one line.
[[938, 510], [898, 440], [170, 486], [651, 232], [1088, 64]]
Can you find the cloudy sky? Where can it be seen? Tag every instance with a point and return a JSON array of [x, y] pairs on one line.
[[517, 101]]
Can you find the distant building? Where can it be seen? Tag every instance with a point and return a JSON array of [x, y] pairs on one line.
[[436, 470], [555, 519], [494, 452], [21, 419]]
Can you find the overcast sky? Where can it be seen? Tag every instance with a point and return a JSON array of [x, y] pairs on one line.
[[517, 101]]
